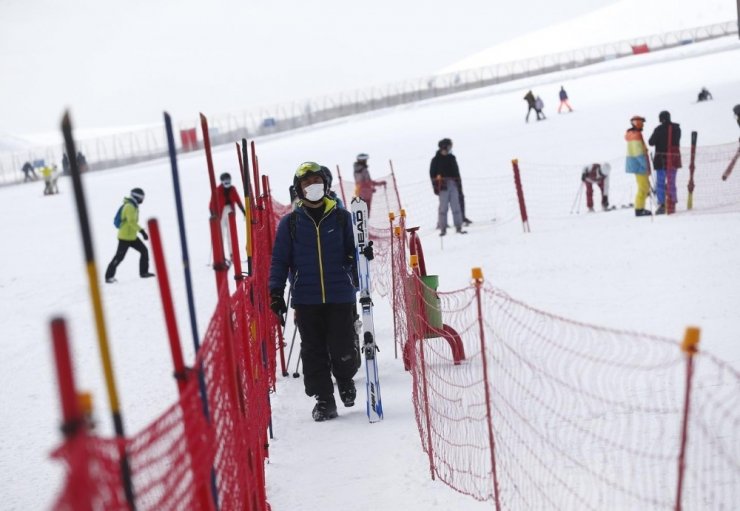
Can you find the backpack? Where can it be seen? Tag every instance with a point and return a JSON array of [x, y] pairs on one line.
[[117, 218]]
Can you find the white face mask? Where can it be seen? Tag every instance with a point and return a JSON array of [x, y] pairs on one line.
[[314, 192]]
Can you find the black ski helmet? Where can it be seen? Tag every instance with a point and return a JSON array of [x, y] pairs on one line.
[[445, 143], [225, 178], [664, 116], [306, 169], [138, 195]]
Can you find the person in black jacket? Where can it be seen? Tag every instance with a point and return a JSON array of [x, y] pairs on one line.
[[445, 176], [666, 139], [315, 250]]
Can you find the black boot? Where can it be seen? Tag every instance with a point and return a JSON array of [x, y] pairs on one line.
[[325, 409], [459, 230], [347, 392], [643, 212]]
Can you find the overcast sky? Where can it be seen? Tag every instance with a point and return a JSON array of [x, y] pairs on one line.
[[123, 63]]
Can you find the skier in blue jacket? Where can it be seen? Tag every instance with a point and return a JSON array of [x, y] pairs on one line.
[[315, 250]]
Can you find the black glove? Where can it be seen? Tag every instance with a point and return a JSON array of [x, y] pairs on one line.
[[144, 235], [368, 251], [277, 304]]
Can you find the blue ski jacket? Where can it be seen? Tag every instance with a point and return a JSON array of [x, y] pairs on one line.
[[318, 258]]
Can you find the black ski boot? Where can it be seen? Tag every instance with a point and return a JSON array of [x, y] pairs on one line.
[[460, 230], [146, 275], [325, 409], [347, 392], [643, 212]]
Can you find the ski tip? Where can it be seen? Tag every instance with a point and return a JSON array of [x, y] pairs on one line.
[[167, 117]]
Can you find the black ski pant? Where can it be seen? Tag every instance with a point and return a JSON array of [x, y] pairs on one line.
[[327, 345], [123, 246]]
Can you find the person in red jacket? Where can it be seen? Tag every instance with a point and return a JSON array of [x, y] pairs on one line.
[[222, 203]]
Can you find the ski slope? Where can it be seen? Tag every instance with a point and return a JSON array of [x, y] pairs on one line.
[[656, 276]]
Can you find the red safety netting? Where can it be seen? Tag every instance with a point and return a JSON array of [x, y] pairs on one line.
[[207, 450], [177, 460], [570, 415]]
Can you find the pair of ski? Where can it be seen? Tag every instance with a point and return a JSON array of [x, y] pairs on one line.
[[367, 335]]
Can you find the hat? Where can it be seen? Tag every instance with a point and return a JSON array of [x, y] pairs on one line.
[[225, 179], [444, 143], [362, 157], [664, 116], [637, 118]]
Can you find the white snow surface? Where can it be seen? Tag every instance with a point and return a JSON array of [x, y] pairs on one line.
[[656, 276], [619, 21]]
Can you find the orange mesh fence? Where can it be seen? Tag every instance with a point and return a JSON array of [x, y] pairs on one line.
[[576, 416]]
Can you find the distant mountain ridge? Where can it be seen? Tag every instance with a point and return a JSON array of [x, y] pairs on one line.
[[625, 19]]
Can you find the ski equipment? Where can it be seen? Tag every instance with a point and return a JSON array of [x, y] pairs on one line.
[[369, 348]]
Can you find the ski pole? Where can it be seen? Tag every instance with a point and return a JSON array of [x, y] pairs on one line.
[[577, 200], [296, 374], [290, 351]]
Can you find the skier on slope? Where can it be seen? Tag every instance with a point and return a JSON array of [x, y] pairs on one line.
[[637, 163], [563, 100], [315, 248], [666, 161], [222, 203], [596, 174], [445, 176], [539, 105], [128, 237], [364, 184]]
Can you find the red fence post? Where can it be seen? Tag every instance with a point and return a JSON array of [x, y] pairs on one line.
[[71, 414], [73, 422], [478, 279], [692, 168], [181, 373], [395, 185], [520, 195], [394, 295], [341, 185], [689, 347]]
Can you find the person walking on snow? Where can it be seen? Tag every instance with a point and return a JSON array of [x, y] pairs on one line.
[[598, 174], [128, 237], [315, 250], [529, 98], [445, 176], [364, 184], [538, 106], [222, 203], [638, 163], [29, 173], [563, 100], [666, 161]]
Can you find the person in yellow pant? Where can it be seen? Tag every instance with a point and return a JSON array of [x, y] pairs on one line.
[[637, 163]]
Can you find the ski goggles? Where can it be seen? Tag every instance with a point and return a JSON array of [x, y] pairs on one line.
[[306, 168]]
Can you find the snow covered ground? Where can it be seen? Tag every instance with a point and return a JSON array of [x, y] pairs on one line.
[[656, 276]]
